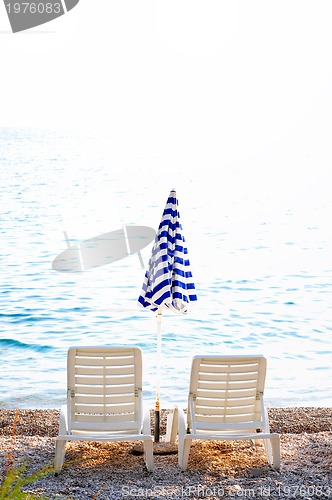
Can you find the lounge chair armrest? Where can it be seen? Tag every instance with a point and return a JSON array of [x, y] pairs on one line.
[[63, 423], [182, 426], [172, 425], [265, 417], [146, 423]]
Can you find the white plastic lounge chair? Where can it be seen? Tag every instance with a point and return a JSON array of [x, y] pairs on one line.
[[226, 403], [104, 400]]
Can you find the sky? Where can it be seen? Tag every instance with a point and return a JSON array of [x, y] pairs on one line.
[[239, 83]]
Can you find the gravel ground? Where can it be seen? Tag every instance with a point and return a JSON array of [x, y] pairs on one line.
[[100, 471]]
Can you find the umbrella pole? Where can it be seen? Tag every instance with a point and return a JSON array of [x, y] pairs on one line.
[[158, 363]]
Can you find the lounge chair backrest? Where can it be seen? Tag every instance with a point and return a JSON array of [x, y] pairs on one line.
[[225, 393], [226, 402], [104, 389]]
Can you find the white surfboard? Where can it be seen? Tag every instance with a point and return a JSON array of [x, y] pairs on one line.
[[104, 249]]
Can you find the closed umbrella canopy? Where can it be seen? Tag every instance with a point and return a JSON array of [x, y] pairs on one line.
[[168, 282]]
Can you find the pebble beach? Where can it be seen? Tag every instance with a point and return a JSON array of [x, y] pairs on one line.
[[216, 469]]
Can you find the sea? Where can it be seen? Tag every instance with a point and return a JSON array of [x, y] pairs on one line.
[[259, 243]]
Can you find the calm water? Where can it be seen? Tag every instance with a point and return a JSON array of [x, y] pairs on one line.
[[259, 244]]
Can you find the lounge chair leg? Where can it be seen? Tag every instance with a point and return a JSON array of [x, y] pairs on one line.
[[184, 453], [60, 449], [148, 455], [268, 450], [275, 444]]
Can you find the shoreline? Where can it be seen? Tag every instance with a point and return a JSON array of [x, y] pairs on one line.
[[100, 471]]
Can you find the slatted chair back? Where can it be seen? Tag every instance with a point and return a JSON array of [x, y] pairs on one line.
[[104, 390], [225, 394]]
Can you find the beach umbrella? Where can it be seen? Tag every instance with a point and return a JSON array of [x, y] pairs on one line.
[[168, 282]]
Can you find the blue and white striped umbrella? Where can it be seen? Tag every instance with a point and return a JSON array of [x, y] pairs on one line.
[[168, 280]]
